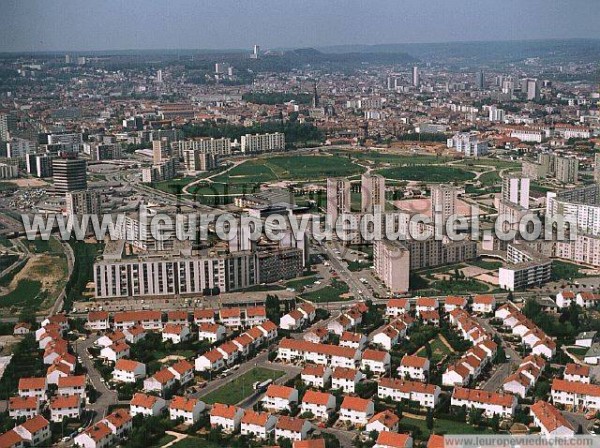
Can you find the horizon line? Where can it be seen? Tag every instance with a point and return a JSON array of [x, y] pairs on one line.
[[281, 48]]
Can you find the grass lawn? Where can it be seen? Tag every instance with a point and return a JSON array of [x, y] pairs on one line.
[[356, 266], [304, 167], [163, 441], [300, 283], [561, 270], [330, 293], [51, 246], [578, 351], [241, 387], [485, 264], [395, 159], [433, 173], [27, 292], [195, 442], [443, 426], [460, 286], [490, 162], [438, 350]]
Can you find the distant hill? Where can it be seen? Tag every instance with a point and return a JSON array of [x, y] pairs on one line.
[[314, 56], [484, 52]]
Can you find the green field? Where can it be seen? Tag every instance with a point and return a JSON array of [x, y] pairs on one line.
[[499, 164], [441, 426], [27, 292], [241, 387], [486, 264], [300, 283], [561, 270], [380, 158], [195, 442], [438, 350], [433, 173], [310, 168], [330, 293]]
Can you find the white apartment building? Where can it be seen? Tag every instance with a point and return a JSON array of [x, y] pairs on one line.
[[262, 142]]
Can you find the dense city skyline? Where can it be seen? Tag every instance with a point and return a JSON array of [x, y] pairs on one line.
[[70, 26]]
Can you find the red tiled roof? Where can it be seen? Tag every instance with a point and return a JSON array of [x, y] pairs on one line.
[[355, 403], [314, 397], [393, 440], [32, 383]]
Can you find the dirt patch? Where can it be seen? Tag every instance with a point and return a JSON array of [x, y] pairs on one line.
[[33, 183], [47, 269]]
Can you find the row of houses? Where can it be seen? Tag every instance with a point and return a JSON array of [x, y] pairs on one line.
[[228, 353], [531, 335], [153, 320], [525, 378], [298, 318], [490, 403], [292, 350], [585, 299], [470, 366], [348, 319], [482, 303]]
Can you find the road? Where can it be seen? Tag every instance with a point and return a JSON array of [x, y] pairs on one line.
[[60, 301], [106, 397], [356, 288], [503, 370]]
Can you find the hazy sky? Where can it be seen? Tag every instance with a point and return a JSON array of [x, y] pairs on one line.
[[31, 25]]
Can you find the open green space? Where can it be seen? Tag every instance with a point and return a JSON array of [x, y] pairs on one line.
[[562, 270], [299, 283], [329, 293], [174, 186], [438, 350], [241, 387], [27, 293], [433, 173], [500, 164], [460, 286], [195, 442], [50, 246], [305, 167], [395, 159], [167, 438], [486, 264], [442, 426]]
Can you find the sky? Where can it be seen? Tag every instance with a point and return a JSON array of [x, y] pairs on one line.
[[80, 25]]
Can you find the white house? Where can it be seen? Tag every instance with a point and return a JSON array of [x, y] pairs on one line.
[[183, 371], [550, 420], [427, 395], [376, 361], [129, 371], [176, 333], [565, 298], [454, 302], [98, 435], [35, 431], [356, 411], [120, 423], [227, 417], [211, 332], [587, 299], [316, 375], [294, 320], [320, 404], [188, 409], [231, 317], [147, 405], [65, 406], [292, 428], [98, 321], [115, 351], [33, 387], [160, 382], [577, 372], [279, 398], [210, 361], [396, 307], [353, 340], [414, 367], [387, 439], [258, 424], [27, 407], [489, 402], [204, 316], [134, 334], [346, 379], [426, 304], [72, 385], [387, 337], [484, 303], [384, 421]]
